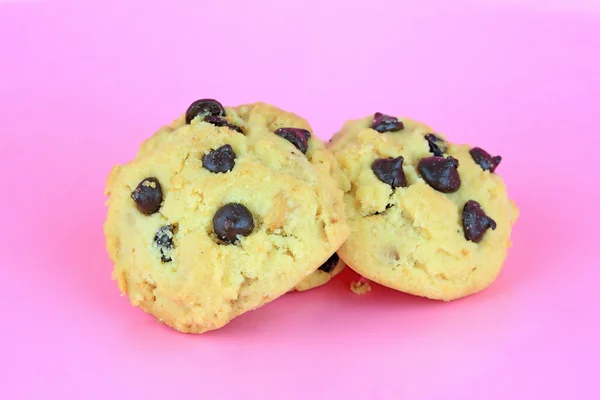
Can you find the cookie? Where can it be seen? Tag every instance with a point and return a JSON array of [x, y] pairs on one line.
[[427, 217], [332, 267], [286, 125], [220, 213]]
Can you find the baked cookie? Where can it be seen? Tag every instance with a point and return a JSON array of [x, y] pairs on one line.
[[277, 120], [426, 216], [220, 213], [332, 267]]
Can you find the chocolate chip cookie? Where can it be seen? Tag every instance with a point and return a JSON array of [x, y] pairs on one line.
[[221, 212], [427, 217]]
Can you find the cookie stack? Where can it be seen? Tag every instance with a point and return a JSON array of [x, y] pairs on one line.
[[229, 208]]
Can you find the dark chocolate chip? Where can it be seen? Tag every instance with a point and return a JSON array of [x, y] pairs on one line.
[[164, 241], [440, 173], [389, 170], [484, 159], [203, 108], [219, 160], [296, 136], [475, 221], [219, 121], [386, 123], [437, 146], [330, 264], [147, 196], [232, 220]]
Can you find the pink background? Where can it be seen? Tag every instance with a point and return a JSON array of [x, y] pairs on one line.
[[82, 84]]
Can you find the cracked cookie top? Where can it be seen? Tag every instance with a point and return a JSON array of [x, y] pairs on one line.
[[221, 212], [427, 217]]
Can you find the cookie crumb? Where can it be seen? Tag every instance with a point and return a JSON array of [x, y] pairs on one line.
[[360, 287]]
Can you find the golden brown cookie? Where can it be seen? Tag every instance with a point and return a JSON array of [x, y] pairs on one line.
[[427, 217], [222, 212]]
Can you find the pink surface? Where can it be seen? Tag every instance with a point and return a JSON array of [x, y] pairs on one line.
[[82, 84]]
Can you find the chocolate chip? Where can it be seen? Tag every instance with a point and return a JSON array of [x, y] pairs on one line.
[[219, 121], [440, 173], [437, 146], [203, 108], [219, 160], [296, 136], [164, 241], [386, 123], [147, 196], [232, 220], [484, 159], [389, 170], [330, 264], [475, 221]]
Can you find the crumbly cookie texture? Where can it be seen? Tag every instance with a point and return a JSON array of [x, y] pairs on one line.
[[427, 217], [222, 212], [326, 272], [360, 287]]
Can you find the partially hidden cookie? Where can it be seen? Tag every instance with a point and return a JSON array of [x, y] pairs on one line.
[[326, 272], [427, 217], [220, 213]]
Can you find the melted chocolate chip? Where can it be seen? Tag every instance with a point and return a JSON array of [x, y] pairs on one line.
[[219, 121], [233, 220], [389, 170], [440, 173], [437, 146], [296, 136], [219, 160], [164, 241], [204, 107], [386, 123], [484, 159], [475, 221], [330, 264], [147, 196]]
